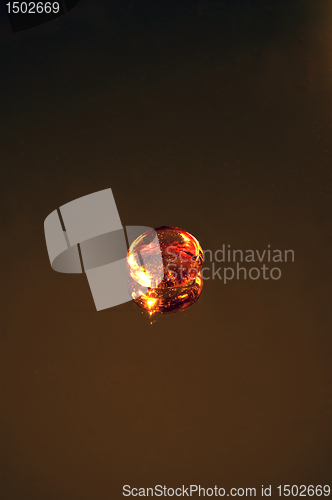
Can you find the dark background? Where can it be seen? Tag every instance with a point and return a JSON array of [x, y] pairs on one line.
[[214, 116]]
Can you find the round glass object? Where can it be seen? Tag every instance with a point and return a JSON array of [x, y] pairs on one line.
[[165, 271]]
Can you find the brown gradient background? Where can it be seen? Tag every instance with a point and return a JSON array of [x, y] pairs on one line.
[[212, 116]]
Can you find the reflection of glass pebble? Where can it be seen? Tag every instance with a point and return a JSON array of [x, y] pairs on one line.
[[180, 283]]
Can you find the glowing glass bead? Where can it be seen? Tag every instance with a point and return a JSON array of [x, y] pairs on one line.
[[170, 283]]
